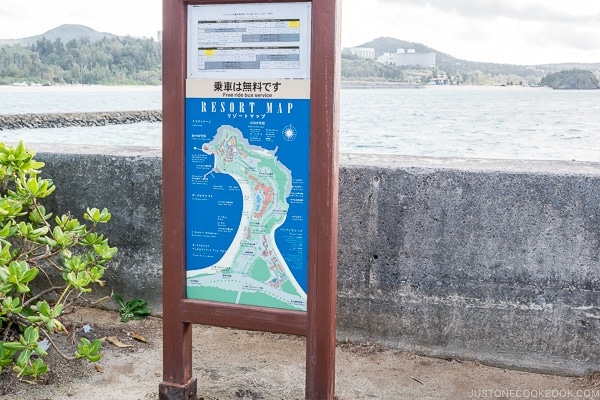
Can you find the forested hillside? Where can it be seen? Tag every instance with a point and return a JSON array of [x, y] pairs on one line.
[[457, 71], [110, 61], [84, 56], [571, 79]]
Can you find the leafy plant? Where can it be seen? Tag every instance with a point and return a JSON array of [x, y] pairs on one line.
[[69, 255], [89, 350], [133, 309]]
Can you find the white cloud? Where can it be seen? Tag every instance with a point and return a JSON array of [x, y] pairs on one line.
[[549, 11], [506, 31], [134, 17]]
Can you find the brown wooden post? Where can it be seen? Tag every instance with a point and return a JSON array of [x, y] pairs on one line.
[[323, 222], [178, 383], [318, 323]]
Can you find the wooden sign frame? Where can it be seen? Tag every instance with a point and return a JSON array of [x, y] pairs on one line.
[[179, 313]]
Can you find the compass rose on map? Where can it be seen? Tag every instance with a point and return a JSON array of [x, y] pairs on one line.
[[289, 133]]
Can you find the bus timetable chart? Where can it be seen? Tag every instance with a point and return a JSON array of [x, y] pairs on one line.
[[249, 58], [265, 44]]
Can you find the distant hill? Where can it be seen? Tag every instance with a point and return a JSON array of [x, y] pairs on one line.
[[65, 33], [443, 61], [390, 45], [453, 65]]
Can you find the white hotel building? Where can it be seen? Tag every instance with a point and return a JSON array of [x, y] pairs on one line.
[[363, 52], [407, 58]]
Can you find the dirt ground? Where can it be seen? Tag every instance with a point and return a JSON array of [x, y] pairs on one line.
[[233, 364]]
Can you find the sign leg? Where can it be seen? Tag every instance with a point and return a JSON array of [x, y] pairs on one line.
[[172, 391], [178, 383]]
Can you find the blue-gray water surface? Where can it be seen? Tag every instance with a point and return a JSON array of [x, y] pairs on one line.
[[473, 122]]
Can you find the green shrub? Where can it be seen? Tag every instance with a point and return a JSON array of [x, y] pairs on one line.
[[46, 264]]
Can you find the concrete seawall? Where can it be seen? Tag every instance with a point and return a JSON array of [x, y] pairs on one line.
[[60, 120], [486, 260], [470, 259]]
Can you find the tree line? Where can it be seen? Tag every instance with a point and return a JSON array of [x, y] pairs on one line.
[[131, 61], [110, 61]]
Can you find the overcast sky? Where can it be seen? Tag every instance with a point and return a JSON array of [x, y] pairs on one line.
[[501, 31]]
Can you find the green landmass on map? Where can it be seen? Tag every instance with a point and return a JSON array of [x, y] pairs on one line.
[[252, 271]]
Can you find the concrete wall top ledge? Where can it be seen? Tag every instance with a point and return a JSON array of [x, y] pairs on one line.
[[542, 167]]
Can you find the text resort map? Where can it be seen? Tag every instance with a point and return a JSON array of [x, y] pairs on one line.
[[247, 197]]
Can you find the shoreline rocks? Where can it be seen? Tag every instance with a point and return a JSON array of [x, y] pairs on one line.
[[61, 120]]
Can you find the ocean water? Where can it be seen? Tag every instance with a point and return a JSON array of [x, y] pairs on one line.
[[56, 99], [472, 122]]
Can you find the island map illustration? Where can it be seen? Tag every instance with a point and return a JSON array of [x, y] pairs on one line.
[[246, 210]]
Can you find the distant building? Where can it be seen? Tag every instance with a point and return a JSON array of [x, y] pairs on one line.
[[439, 79], [159, 36], [385, 58], [363, 52], [408, 57]]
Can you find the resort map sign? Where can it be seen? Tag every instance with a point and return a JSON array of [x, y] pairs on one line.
[[247, 134]]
